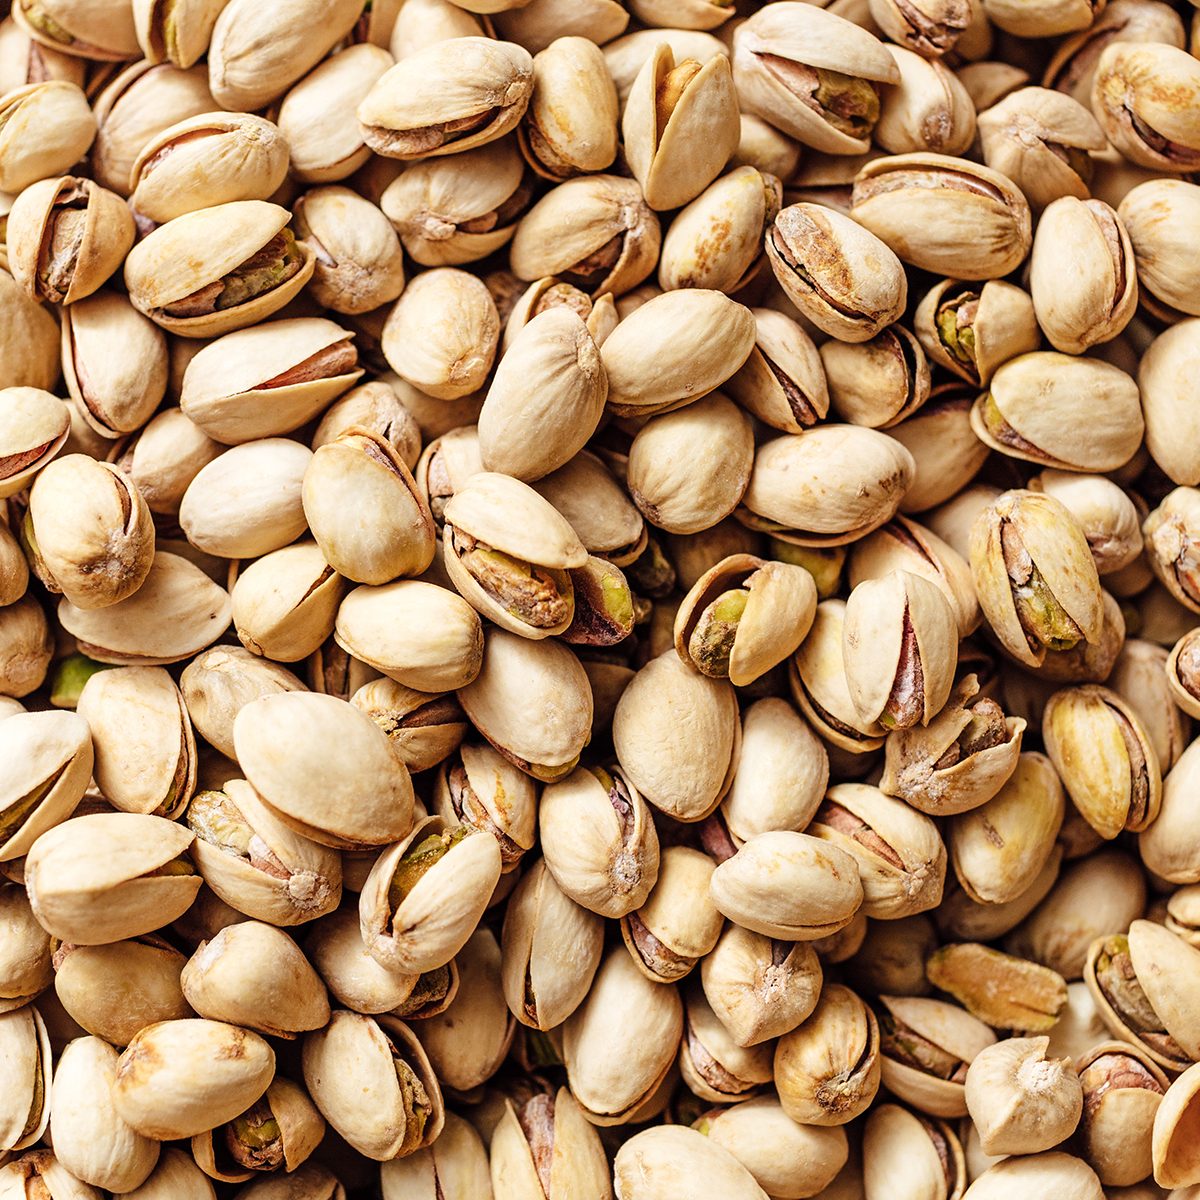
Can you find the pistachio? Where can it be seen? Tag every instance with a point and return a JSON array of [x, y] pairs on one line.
[[1170, 543], [1005, 991], [1120, 1084], [46, 126], [653, 1163]]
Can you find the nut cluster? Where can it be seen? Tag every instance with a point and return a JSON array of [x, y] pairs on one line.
[[599, 600]]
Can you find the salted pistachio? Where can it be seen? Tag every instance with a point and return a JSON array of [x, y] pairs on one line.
[[24, 60], [878, 382], [218, 269], [100, 33], [625, 1007], [1035, 576], [973, 329], [537, 25], [625, 56], [455, 1165], [446, 463], [944, 214], [928, 109], [46, 126], [336, 950], [1141, 982], [782, 383], [838, 274], [253, 975], [722, 628], [317, 115], [1004, 991], [1155, 215], [827, 1069], [164, 455], [679, 126], [826, 486], [33, 427], [716, 241], [66, 237], [214, 158], [653, 1164], [1021, 1100], [532, 701], [946, 453], [1144, 96], [176, 1177], [145, 750], [713, 1066], [27, 1078], [899, 646], [605, 607], [927, 1047], [1088, 662], [305, 754], [1170, 537], [910, 1156], [1037, 1176], [812, 74], [447, 97], [1155, 686], [1183, 674], [962, 917], [890, 958], [766, 148], [46, 760]]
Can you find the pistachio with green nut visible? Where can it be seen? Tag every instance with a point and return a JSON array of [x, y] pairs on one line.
[[1005, 991]]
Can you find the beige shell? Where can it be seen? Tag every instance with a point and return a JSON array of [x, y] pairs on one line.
[[47, 127], [356, 980], [1169, 362], [1174, 1147], [597, 508], [456, 1165], [656, 1163], [33, 427], [27, 1078]]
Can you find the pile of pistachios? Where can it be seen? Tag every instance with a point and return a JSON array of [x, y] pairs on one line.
[[599, 600]]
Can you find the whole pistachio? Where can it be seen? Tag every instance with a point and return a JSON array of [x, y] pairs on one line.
[[928, 109], [28, 1078], [1169, 532], [653, 1163], [909, 1155], [456, 1164], [879, 382], [45, 128], [478, 787]]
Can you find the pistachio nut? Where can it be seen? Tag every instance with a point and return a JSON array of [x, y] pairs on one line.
[[944, 214], [1162, 378], [26, 647], [28, 1078], [1110, 519], [1005, 991], [879, 382], [713, 1066], [928, 109], [656, 1163], [304, 754], [908, 1155], [255, 863], [456, 1165], [1063, 16], [175, 32], [167, 452], [600, 316], [1035, 576], [960, 916], [536, 25], [1169, 533], [46, 126], [176, 1177], [25, 60], [931, 29], [692, 14], [25, 967], [218, 269], [1172, 1149], [376, 406], [1182, 669], [33, 427], [1153, 214], [890, 959], [423, 729]]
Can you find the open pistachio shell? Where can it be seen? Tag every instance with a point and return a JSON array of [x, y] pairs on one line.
[[25, 1110], [33, 427], [1174, 1149]]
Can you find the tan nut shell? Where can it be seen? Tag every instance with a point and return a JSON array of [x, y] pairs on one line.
[[33, 427], [25, 1109], [1174, 1145]]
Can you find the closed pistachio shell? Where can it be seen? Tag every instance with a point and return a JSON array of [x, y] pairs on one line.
[[167, 453], [1048, 1176], [1163, 374], [713, 1066], [653, 1164], [1154, 214], [48, 126], [336, 950], [456, 1165], [929, 109], [177, 33], [25, 965], [879, 382]]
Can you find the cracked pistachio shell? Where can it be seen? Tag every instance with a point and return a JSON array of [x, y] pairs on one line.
[[1182, 669], [664, 1161], [1146, 97], [674, 349], [66, 237], [927, 1048], [944, 214], [1103, 753], [1110, 519], [717, 240], [877, 383], [680, 126], [447, 97], [1041, 139], [1157, 215], [661, 475], [1167, 968], [22, 60], [681, 16], [973, 329], [812, 74], [1170, 538], [768, 610], [678, 925], [900, 649], [45, 128], [423, 729], [317, 116], [826, 486], [1150, 681], [827, 1070], [677, 735], [623, 1008], [246, 502], [782, 383], [822, 894], [1165, 373], [226, 1068], [202, 252], [446, 463], [144, 746], [533, 702], [929, 29], [419, 634], [26, 647], [599, 841], [285, 603], [92, 531], [838, 273], [26, 1102], [909, 1157], [45, 764], [306, 754], [90, 1138], [441, 336], [595, 232], [177, 32], [550, 950], [361, 471], [1173, 1147], [417, 911], [176, 1177], [375, 406], [461, 208], [929, 109], [256, 863], [1035, 576], [713, 1066], [1021, 1100], [507, 551], [1081, 274], [900, 856], [960, 916], [570, 126], [25, 966], [373, 1083], [454, 1167], [14, 569], [39, 1173], [255, 976], [213, 158], [536, 25], [101, 32], [268, 380], [114, 362], [542, 295], [999, 848], [336, 949], [546, 398], [100, 878], [33, 427]]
